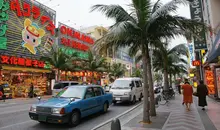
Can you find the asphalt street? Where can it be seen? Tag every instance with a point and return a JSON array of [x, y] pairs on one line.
[[14, 116]]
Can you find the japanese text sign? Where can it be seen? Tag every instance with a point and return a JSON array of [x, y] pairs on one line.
[[191, 54], [12, 60], [197, 15], [30, 29]]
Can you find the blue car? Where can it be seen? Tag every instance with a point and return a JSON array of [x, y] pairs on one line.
[[71, 104]]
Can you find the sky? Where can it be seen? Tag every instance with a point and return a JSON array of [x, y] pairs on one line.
[[76, 13]]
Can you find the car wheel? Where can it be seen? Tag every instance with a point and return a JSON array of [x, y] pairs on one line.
[[105, 107], [134, 100], [74, 118], [141, 96], [114, 102]]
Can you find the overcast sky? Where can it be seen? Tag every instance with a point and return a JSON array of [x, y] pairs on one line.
[[76, 13]]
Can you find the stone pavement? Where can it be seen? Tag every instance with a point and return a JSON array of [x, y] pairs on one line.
[[174, 116]]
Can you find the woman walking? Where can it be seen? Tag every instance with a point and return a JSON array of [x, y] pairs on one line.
[[187, 95], [202, 92]]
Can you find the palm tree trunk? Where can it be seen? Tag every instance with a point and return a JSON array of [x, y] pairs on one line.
[[58, 75], [170, 79], [146, 115], [166, 82], [151, 85]]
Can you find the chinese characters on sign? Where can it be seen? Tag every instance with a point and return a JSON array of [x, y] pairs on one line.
[[210, 81], [197, 15], [12, 60], [33, 11], [4, 6], [72, 41]]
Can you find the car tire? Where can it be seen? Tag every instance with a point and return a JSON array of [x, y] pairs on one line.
[[105, 107], [134, 100], [74, 119], [114, 102], [141, 96]]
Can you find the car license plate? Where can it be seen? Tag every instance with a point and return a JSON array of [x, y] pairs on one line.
[[117, 98], [42, 118]]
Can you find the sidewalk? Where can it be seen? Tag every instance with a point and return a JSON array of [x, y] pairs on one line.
[[175, 117]]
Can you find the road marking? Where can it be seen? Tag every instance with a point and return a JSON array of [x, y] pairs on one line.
[[8, 126]]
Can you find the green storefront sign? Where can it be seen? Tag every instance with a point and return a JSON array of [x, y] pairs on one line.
[[80, 54], [4, 6]]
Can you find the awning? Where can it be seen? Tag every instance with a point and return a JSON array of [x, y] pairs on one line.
[[15, 68], [215, 52]]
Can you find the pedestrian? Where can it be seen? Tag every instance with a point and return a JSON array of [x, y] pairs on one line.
[[202, 92], [187, 95], [2, 93], [31, 92], [179, 88]]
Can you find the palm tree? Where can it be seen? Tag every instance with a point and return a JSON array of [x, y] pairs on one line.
[[177, 69], [139, 28], [117, 70], [167, 60], [137, 73], [60, 60], [158, 77], [94, 64]]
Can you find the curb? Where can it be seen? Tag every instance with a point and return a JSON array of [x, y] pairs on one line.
[[108, 121]]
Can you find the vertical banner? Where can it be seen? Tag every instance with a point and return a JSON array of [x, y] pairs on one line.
[[209, 76], [191, 54], [197, 15]]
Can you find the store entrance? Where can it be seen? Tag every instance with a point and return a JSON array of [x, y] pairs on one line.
[[20, 82]]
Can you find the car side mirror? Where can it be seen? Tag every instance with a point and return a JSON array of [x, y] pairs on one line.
[[39, 98], [71, 100]]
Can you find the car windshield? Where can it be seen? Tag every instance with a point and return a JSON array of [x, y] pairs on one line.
[[72, 92], [121, 84]]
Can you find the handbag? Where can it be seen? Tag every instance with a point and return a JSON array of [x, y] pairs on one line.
[[195, 94]]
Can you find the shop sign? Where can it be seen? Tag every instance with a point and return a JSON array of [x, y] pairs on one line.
[[4, 6], [210, 81], [196, 63], [74, 40], [30, 29], [217, 70], [70, 51], [197, 15], [12, 60], [191, 54]]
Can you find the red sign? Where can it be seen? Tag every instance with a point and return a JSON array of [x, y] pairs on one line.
[[11, 60], [26, 10], [74, 44], [196, 63], [74, 34]]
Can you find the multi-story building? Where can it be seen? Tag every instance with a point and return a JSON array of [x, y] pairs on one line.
[[211, 17], [113, 56]]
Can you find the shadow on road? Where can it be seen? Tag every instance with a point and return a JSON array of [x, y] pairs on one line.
[[84, 121]]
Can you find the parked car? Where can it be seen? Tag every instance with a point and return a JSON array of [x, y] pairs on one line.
[[71, 104], [62, 84], [127, 89]]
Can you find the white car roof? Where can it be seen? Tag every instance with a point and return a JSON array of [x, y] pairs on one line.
[[129, 78]]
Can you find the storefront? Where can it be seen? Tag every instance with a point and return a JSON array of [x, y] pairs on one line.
[[27, 33], [81, 76], [212, 66]]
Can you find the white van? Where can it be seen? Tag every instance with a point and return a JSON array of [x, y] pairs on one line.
[[62, 84], [127, 89]]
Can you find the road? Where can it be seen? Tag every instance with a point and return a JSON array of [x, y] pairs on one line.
[[14, 116]]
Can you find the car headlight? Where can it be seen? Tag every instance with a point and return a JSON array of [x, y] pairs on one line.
[[127, 93], [58, 111], [33, 109]]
